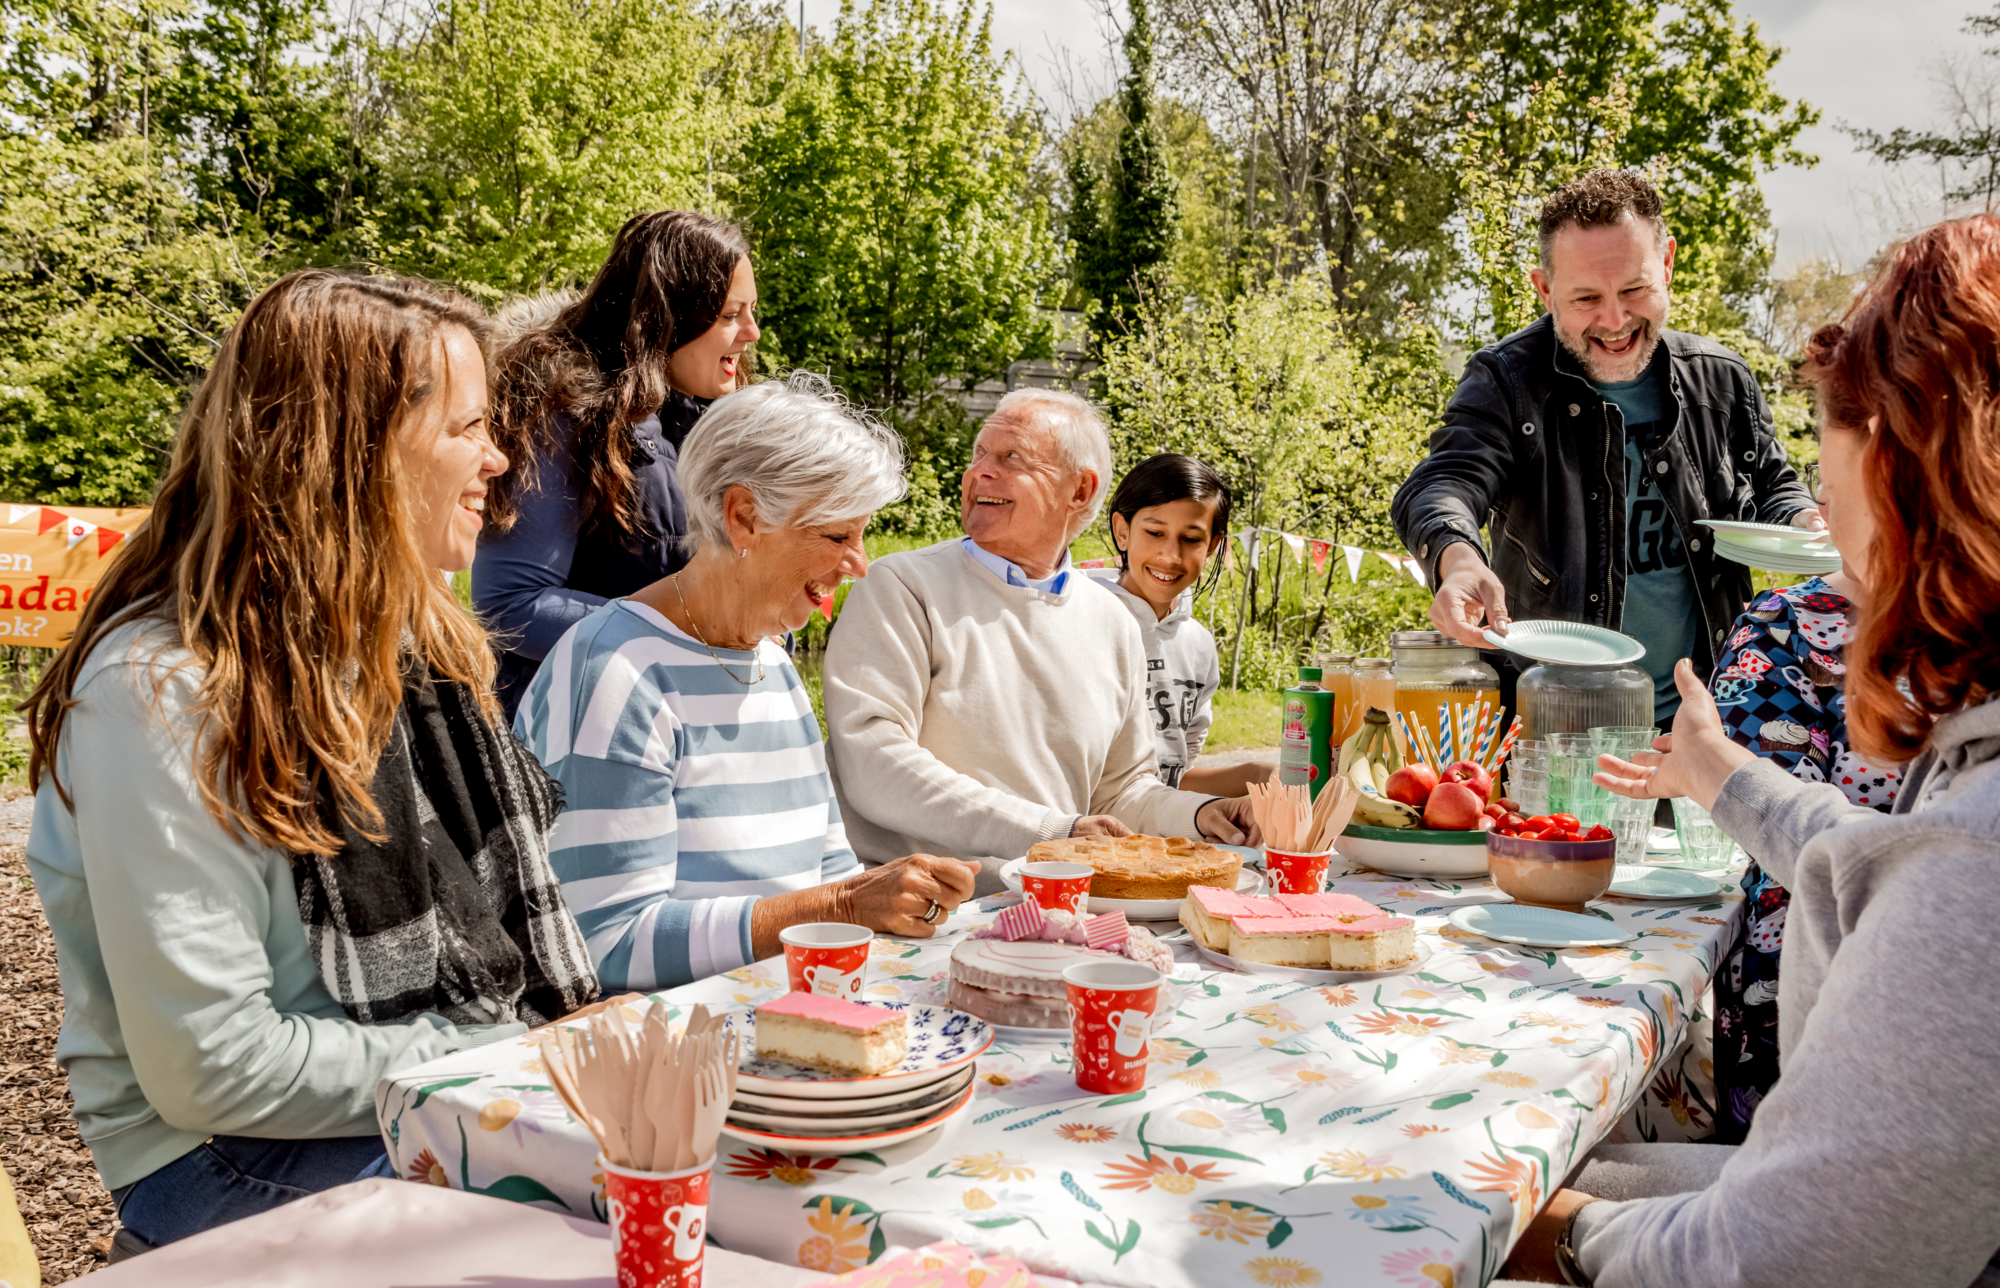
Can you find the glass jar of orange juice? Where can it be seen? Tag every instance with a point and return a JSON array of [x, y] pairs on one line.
[[1336, 672], [1433, 671], [1374, 686]]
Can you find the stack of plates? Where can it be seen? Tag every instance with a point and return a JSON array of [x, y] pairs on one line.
[[806, 1111], [1775, 546]]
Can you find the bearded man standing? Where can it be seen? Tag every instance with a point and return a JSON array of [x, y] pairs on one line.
[[1589, 443]]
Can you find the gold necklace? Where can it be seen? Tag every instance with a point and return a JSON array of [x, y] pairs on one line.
[[711, 649]]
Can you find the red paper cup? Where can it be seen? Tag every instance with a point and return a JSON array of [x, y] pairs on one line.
[[1110, 1021], [1296, 873], [659, 1225], [1058, 885], [829, 958]]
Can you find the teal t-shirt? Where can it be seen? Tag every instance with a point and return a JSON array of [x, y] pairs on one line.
[[1660, 607]]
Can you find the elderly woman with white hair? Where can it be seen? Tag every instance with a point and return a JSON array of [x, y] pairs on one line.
[[981, 697], [700, 820]]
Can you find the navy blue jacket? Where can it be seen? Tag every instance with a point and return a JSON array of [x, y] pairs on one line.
[[542, 576]]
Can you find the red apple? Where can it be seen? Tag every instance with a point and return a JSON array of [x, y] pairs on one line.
[[1472, 774], [1412, 785], [1453, 807]]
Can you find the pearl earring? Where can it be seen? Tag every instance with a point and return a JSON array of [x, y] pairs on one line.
[[743, 554]]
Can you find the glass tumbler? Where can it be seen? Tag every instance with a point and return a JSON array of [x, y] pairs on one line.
[[1571, 762], [1704, 845]]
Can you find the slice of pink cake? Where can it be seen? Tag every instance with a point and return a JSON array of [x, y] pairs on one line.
[[827, 1033], [1281, 941], [1379, 942], [1208, 910], [1343, 906]]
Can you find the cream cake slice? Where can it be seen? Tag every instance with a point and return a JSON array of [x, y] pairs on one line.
[[826, 1033], [1379, 942], [1208, 910], [1281, 941], [1342, 907]]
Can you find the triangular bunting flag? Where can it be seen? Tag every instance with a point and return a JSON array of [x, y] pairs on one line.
[[1298, 544], [1250, 545], [1416, 571], [1320, 551], [76, 530], [1355, 554], [16, 513], [51, 520], [106, 538]]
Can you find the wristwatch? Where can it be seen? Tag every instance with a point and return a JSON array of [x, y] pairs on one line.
[[1572, 1273]]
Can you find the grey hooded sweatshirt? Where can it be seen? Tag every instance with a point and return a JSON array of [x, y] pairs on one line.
[[1182, 675], [1876, 1159]]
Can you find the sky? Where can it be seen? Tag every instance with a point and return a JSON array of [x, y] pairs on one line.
[[1862, 62]]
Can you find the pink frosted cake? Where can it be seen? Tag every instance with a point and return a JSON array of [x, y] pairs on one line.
[[1208, 910], [1281, 941], [826, 1033], [1017, 984], [1379, 942], [1343, 906]]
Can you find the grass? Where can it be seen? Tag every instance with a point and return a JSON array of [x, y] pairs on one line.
[[1245, 718]]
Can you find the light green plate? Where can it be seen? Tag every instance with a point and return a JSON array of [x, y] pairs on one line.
[[1517, 923], [1568, 642], [1644, 881]]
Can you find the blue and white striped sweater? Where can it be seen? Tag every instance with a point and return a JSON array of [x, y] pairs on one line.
[[688, 794]]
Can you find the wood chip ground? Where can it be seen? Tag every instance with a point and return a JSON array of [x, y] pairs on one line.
[[67, 1211]]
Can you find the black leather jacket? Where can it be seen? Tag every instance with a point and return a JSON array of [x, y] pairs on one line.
[[1531, 452]]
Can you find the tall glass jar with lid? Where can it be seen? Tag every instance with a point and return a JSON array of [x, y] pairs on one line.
[[1374, 686], [1433, 671]]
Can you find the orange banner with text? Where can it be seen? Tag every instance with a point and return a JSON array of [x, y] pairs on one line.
[[50, 559]]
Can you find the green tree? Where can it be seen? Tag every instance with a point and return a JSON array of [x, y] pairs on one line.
[[901, 243], [1704, 122], [1121, 223]]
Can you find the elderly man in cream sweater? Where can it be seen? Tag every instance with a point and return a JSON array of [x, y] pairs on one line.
[[982, 697]]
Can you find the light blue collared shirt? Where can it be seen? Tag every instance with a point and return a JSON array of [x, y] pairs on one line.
[[1011, 573]]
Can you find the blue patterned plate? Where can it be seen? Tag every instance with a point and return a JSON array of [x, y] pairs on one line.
[[1517, 923], [941, 1040]]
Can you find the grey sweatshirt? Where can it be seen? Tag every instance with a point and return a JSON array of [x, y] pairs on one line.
[[1182, 676], [1876, 1160]]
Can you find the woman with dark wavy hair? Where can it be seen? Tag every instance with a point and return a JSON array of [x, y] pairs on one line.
[[282, 839], [593, 398], [1876, 1158]]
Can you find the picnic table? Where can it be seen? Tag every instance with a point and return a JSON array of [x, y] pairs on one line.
[[1398, 1130]]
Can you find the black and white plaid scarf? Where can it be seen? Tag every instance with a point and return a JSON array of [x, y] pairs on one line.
[[457, 912]]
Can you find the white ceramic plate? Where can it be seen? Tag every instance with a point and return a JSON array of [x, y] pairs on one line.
[[1306, 974], [1546, 641], [943, 1089], [811, 1116], [941, 1040], [1413, 858], [792, 1142], [1516, 923], [1247, 882], [1650, 881]]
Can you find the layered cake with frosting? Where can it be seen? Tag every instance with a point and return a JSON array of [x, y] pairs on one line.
[[1144, 867], [1321, 931], [1379, 942], [1011, 971], [1281, 941], [826, 1033]]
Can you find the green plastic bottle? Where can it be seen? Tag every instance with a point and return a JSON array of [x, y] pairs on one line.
[[1305, 743]]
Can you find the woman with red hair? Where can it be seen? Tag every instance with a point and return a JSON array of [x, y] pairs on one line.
[[1876, 1158]]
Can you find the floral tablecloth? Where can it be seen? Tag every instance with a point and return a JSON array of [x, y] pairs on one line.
[[1395, 1131]]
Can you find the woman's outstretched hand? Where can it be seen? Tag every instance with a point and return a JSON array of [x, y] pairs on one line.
[[1692, 761]]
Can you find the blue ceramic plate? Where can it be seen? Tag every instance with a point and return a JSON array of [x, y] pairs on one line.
[[1645, 881], [941, 1040], [1517, 923]]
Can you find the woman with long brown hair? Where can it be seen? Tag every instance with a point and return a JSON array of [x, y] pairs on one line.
[[1876, 1157], [281, 836], [594, 397]]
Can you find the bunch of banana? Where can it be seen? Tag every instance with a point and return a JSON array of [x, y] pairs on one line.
[[1366, 760]]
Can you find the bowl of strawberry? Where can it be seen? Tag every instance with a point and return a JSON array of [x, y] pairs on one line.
[[1550, 860]]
